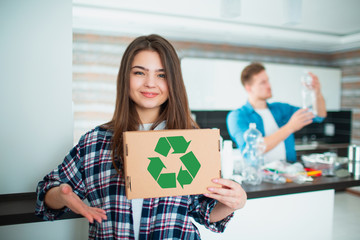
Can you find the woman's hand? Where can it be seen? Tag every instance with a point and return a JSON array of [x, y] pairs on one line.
[[63, 195], [230, 196]]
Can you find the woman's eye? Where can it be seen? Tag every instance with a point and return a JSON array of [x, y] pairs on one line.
[[138, 73], [162, 75]]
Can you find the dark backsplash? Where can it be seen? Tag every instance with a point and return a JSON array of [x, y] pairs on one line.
[[336, 128], [213, 119]]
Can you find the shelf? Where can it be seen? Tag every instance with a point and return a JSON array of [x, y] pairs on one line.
[[19, 208]]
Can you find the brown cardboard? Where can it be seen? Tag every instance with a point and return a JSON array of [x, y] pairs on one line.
[[144, 154]]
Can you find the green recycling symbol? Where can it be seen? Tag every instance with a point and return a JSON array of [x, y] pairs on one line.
[[185, 176]]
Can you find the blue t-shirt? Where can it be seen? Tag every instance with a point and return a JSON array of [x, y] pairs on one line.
[[238, 122]]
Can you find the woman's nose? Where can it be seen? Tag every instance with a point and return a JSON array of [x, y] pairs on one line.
[[150, 81]]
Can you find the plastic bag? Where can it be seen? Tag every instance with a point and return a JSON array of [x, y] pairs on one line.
[[281, 172]]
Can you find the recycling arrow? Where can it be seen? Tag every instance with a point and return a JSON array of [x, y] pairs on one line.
[[155, 167], [163, 147], [178, 144], [191, 163], [167, 180], [185, 176]]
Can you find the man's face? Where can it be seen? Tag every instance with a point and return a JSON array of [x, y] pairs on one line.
[[259, 87]]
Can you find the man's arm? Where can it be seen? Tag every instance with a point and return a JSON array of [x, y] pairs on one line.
[[237, 123], [298, 120], [320, 101]]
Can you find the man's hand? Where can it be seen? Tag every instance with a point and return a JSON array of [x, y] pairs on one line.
[[320, 101], [300, 119], [315, 84]]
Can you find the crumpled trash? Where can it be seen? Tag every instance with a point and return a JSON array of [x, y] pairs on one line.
[[273, 177], [280, 172]]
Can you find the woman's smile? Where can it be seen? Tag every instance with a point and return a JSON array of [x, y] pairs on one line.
[[149, 94]]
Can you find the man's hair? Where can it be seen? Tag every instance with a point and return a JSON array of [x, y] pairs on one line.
[[249, 71]]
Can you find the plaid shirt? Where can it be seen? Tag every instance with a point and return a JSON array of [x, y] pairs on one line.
[[89, 171]]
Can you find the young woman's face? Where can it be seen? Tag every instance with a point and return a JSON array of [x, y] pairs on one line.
[[148, 85]]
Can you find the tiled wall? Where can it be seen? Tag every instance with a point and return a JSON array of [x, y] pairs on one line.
[[96, 60], [336, 128], [212, 119], [349, 62]]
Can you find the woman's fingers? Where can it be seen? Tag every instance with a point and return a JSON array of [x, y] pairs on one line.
[[100, 211], [231, 202], [92, 213], [230, 193], [88, 216], [97, 216], [221, 198], [224, 182], [73, 202], [222, 191]]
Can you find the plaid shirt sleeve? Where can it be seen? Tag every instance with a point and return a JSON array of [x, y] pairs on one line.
[[200, 208], [70, 171]]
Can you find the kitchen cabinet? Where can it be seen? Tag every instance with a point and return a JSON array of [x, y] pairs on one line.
[[286, 211]]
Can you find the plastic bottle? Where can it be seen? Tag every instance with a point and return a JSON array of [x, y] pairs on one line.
[[252, 155], [308, 93], [238, 165]]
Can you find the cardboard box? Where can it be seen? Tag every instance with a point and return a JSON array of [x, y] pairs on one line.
[[171, 162]]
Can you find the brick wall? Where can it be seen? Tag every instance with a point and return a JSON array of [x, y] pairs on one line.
[[96, 61], [349, 62]]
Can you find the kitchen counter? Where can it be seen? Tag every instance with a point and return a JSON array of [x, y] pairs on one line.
[[19, 208], [319, 183], [285, 211], [319, 145]]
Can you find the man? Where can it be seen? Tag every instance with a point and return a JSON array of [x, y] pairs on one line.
[[276, 121]]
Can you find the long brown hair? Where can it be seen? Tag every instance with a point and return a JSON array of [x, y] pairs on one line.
[[175, 111]]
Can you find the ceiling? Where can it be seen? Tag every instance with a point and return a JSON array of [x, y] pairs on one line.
[[311, 25]]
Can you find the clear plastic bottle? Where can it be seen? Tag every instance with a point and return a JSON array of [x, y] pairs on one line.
[[238, 163], [308, 93], [252, 155]]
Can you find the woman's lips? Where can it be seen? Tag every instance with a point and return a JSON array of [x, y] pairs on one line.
[[149, 94]]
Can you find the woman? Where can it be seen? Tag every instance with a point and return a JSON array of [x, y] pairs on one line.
[[150, 95]]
